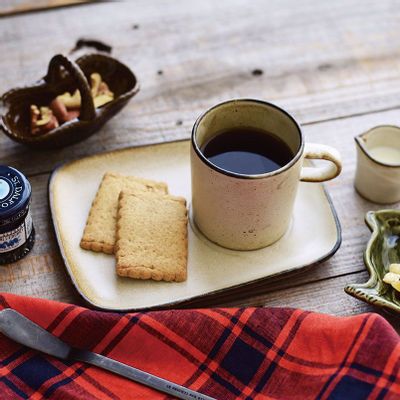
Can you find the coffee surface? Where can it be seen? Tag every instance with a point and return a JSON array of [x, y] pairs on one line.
[[247, 151]]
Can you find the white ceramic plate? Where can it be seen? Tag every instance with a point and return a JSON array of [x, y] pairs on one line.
[[314, 234]]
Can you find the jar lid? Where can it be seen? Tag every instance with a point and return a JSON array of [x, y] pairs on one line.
[[15, 192]]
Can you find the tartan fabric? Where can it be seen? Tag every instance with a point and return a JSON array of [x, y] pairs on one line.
[[248, 353]]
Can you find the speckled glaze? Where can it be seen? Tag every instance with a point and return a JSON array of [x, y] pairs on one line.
[[375, 180], [382, 250], [246, 212]]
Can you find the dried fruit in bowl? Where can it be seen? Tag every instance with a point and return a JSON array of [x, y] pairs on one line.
[[66, 106], [65, 75], [101, 93], [42, 120], [71, 101], [61, 112]]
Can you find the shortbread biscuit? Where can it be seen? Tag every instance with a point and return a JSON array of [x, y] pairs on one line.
[[151, 237], [99, 233]]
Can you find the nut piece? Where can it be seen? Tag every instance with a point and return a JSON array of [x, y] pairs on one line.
[[45, 116], [99, 86], [60, 111], [102, 99], [101, 93], [95, 81], [35, 115], [104, 89], [71, 101], [42, 121]]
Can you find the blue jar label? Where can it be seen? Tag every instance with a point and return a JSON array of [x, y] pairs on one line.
[[16, 237]]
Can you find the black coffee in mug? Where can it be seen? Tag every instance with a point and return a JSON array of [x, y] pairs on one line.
[[247, 151]]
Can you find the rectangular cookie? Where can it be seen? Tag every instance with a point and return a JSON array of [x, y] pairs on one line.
[[99, 233], [152, 236]]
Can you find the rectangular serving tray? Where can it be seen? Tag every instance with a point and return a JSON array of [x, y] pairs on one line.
[[314, 234]]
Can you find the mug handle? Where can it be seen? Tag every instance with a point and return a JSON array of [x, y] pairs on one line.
[[326, 172]]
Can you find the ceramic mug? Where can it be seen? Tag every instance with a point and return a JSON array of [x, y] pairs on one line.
[[246, 212], [378, 164]]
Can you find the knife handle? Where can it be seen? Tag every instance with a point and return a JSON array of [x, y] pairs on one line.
[[137, 375]]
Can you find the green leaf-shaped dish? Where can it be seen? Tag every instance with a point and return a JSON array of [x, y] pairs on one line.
[[382, 250]]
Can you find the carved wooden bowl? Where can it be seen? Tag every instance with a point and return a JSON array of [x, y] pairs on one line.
[[66, 75]]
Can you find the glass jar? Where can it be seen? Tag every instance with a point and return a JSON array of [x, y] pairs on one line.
[[17, 234]]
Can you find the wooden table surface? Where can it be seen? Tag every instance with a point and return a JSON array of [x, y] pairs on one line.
[[334, 65]]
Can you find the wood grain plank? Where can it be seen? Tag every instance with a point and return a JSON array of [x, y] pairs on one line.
[[318, 68], [322, 61], [12, 7], [349, 205], [325, 296], [318, 59], [118, 134], [42, 272]]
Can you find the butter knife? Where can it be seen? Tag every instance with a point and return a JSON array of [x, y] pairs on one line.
[[22, 330]]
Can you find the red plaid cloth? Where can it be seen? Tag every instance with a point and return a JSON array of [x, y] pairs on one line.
[[249, 353]]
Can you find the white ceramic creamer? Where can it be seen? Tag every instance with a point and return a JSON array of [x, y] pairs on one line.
[[378, 164]]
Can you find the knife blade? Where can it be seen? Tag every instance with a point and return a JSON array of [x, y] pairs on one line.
[[24, 331]]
